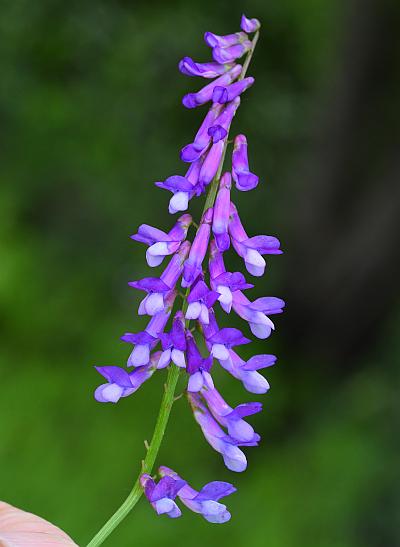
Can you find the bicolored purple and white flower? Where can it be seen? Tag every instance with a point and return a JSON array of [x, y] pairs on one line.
[[232, 419], [158, 288], [247, 372], [200, 300], [225, 283], [205, 502], [251, 249], [192, 100], [193, 264], [233, 457], [174, 343], [245, 180], [198, 367], [257, 313], [224, 340], [146, 340], [121, 383], [205, 70], [162, 244], [162, 495], [181, 188]]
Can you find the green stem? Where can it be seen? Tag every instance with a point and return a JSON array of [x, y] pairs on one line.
[[170, 386], [148, 463]]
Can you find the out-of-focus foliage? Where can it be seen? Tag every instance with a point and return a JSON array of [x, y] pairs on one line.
[[91, 117]]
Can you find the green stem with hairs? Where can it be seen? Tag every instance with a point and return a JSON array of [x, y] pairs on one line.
[[170, 385]]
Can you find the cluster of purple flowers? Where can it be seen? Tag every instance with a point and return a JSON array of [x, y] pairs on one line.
[[194, 341]]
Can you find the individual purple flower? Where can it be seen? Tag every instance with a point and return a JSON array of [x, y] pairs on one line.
[[256, 313], [251, 249], [198, 367], [225, 339], [231, 53], [225, 283], [193, 265], [205, 502], [211, 163], [121, 383], [219, 129], [224, 94], [200, 300], [162, 244], [233, 457], [174, 343], [158, 288], [221, 213], [231, 418], [192, 100], [181, 187], [249, 25], [194, 150], [206, 70], [146, 340], [162, 495], [247, 373], [228, 40], [245, 180]]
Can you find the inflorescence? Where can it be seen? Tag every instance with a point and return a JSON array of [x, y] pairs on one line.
[[194, 341]]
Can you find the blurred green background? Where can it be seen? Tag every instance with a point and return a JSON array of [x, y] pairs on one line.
[[91, 116]]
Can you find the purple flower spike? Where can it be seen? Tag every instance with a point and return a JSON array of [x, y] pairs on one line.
[[234, 458], [192, 100], [200, 300], [228, 54], [245, 180], [256, 313], [162, 495], [214, 40], [198, 367], [231, 418], [174, 344], [221, 213], [205, 502], [193, 151], [193, 265], [228, 93], [249, 25], [206, 70], [192, 338], [251, 249], [224, 340], [160, 243], [121, 383]]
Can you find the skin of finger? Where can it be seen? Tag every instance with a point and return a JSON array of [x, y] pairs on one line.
[[19, 529]]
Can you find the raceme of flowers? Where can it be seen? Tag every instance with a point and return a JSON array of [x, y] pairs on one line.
[[193, 340]]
